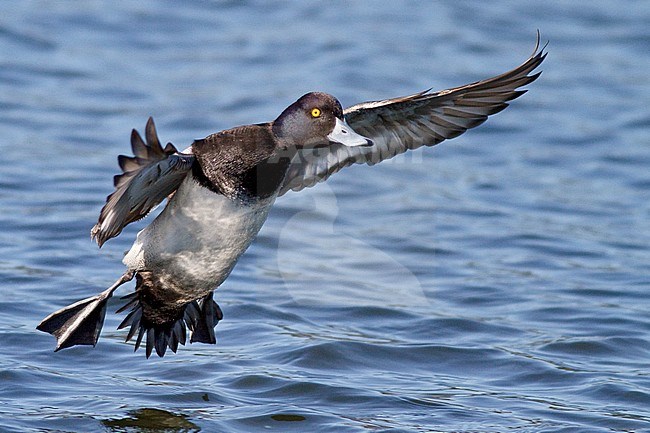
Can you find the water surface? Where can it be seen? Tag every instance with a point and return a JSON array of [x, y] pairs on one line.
[[498, 282]]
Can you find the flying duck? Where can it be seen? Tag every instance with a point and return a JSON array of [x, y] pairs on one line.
[[219, 192]]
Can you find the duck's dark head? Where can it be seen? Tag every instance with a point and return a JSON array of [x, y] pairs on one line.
[[315, 120]]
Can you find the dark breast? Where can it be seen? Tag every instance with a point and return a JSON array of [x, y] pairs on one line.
[[241, 163]]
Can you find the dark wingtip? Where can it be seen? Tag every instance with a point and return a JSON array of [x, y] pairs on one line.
[[539, 54], [539, 38], [138, 147], [152, 137], [170, 149]]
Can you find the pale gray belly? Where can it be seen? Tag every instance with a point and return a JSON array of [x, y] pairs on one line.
[[198, 238]]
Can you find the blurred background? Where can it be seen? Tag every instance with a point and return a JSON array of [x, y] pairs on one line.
[[497, 282]]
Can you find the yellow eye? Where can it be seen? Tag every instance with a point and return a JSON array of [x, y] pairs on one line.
[[315, 112]]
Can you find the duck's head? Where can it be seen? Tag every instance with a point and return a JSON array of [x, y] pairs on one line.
[[315, 120]]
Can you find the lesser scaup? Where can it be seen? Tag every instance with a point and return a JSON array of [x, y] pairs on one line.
[[219, 192]]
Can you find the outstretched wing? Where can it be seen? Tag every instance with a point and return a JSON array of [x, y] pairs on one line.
[[147, 178], [406, 123]]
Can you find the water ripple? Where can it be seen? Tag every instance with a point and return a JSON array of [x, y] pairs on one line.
[[495, 283]]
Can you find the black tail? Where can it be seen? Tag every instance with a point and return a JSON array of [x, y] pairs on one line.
[[165, 326], [81, 322]]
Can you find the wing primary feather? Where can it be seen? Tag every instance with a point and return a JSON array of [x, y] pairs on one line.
[[138, 146], [147, 178]]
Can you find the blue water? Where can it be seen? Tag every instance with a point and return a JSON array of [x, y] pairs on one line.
[[498, 282]]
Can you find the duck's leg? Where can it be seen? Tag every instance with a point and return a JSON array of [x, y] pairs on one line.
[[157, 314], [207, 318], [81, 322]]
